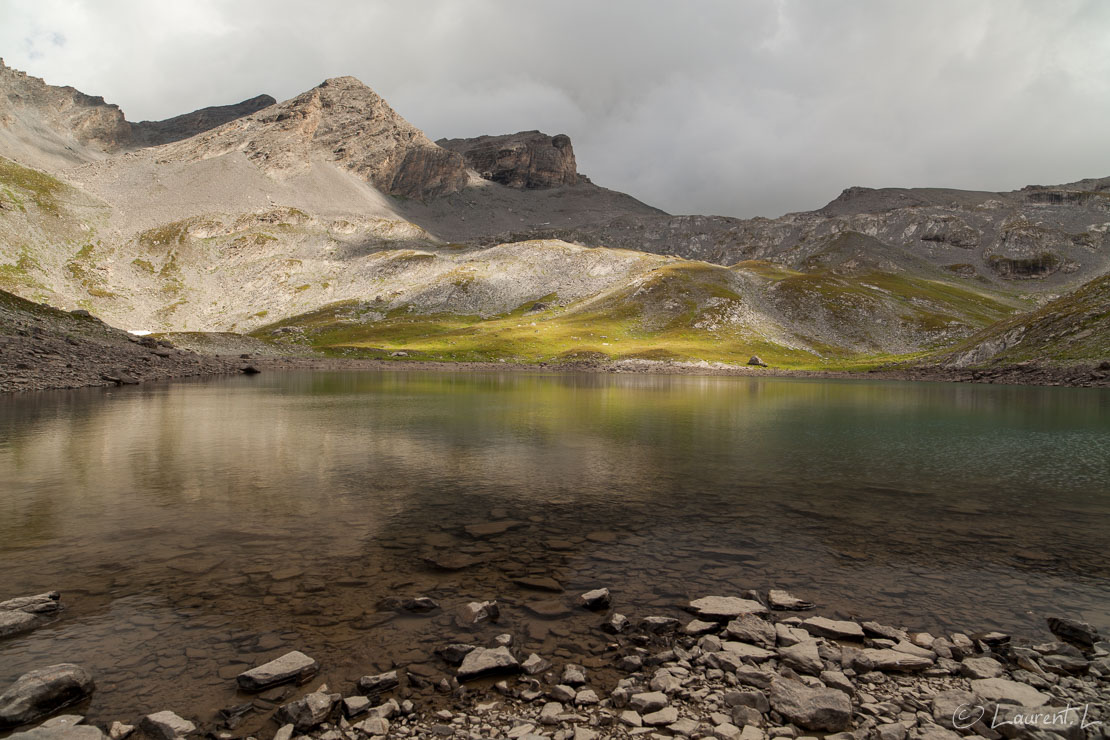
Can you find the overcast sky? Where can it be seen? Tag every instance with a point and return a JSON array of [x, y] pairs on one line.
[[733, 108]]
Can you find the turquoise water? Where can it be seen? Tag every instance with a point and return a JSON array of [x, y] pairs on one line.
[[200, 527]]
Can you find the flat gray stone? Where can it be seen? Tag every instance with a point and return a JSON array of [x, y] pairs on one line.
[[885, 659], [487, 661], [63, 732], [166, 726], [1005, 691], [824, 710], [981, 668], [833, 628], [42, 692], [724, 608], [293, 666]]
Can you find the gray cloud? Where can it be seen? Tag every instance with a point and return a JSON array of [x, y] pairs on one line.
[[736, 108]]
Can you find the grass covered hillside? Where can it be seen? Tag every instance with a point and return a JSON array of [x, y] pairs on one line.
[[655, 308]]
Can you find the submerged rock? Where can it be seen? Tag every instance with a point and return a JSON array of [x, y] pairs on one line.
[[293, 666], [785, 601], [25, 613], [42, 692]]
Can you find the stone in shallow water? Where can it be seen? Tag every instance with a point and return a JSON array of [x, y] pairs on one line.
[[487, 661], [490, 529], [596, 599], [452, 561], [826, 710], [293, 666], [1068, 630], [535, 664], [539, 584], [166, 725], [378, 683], [724, 608], [786, 601], [616, 624], [308, 712], [455, 652], [548, 608], [25, 613], [42, 692]]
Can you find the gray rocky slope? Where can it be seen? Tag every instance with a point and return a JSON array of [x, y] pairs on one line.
[[231, 218]]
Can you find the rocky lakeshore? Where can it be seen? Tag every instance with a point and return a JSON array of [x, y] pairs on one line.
[[751, 666]]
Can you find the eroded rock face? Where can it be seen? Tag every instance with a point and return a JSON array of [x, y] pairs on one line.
[[42, 692], [529, 159]]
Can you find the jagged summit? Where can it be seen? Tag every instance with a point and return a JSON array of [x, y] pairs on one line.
[[342, 121], [528, 159], [53, 127]]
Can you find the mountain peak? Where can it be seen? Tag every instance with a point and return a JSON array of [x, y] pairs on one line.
[[345, 121]]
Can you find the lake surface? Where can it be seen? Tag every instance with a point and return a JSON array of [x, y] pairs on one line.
[[199, 528]]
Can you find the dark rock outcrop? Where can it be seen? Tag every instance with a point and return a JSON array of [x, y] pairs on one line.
[[153, 133], [525, 160], [42, 692]]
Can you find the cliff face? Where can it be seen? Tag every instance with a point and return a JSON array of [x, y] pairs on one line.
[[529, 159]]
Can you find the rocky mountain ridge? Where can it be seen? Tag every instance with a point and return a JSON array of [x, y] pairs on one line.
[[330, 213]]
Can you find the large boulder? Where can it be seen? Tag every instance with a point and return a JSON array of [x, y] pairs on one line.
[[821, 710], [42, 692], [293, 666]]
